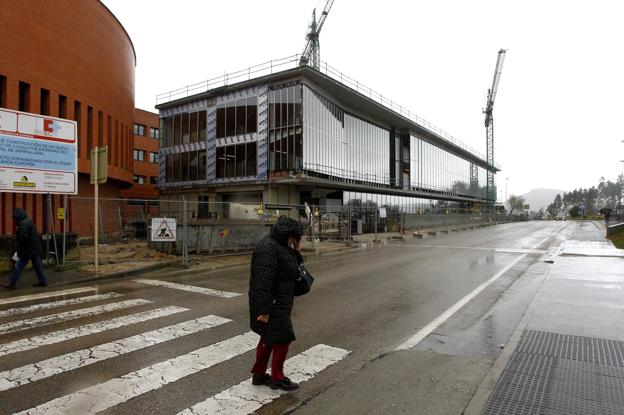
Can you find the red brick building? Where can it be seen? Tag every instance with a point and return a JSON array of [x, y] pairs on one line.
[[73, 59]]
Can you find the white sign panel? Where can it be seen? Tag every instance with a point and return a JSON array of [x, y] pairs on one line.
[[382, 212], [163, 230], [38, 154]]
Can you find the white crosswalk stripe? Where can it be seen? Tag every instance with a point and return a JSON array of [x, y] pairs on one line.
[[246, 398], [86, 330], [189, 288], [69, 315], [105, 395], [47, 294], [81, 358], [57, 304]]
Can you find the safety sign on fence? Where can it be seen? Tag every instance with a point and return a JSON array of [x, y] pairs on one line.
[[163, 230]]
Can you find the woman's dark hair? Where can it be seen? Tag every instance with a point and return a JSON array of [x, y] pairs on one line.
[[286, 227]]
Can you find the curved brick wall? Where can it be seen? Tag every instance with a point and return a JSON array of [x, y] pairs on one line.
[[74, 60]]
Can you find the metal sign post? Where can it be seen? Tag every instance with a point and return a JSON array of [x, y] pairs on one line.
[[99, 173]]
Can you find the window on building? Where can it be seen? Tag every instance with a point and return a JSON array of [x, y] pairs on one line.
[[44, 102], [237, 117], [153, 157], [62, 106], [139, 155], [285, 129], [139, 179], [154, 132], [24, 97], [153, 180], [239, 160], [3, 91], [139, 129]]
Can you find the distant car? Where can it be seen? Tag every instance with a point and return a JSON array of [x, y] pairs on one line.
[[561, 216]]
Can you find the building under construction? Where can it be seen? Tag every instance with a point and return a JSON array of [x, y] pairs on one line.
[[283, 133]]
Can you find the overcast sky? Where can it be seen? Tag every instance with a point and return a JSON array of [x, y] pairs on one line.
[[558, 113]]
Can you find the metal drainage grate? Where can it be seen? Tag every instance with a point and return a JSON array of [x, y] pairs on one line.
[[558, 374]]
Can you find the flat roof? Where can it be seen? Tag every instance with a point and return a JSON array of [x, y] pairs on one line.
[[349, 97]]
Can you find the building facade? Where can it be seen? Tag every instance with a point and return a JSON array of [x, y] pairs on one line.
[[73, 59], [299, 136]]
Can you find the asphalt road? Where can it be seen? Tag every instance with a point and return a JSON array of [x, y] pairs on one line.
[[364, 304]]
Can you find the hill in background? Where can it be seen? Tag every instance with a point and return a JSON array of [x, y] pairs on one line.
[[541, 198]]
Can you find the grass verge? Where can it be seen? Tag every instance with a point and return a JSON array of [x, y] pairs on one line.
[[617, 239]]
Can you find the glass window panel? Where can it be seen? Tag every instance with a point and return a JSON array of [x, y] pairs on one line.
[[193, 163], [230, 161], [230, 119], [194, 127], [201, 171], [185, 128], [252, 114], [241, 116], [220, 120], [240, 160], [220, 162], [169, 171], [168, 132], [185, 159], [176, 167], [202, 135], [251, 159], [284, 105], [177, 131]]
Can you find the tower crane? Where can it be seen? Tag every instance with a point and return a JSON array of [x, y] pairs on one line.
[[489, 127], [312, 52]]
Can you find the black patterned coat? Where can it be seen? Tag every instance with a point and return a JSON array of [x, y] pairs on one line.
[[274, 268]]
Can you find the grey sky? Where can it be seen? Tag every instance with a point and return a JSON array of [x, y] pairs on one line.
[[560, 99]]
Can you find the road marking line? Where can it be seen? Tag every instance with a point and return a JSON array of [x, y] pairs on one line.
[[438, 321], [30, 297], [190, 288], [56, 304], [86, 330], [105, 395], [246, 398], [71, 361], [69, 315], [478, 248]]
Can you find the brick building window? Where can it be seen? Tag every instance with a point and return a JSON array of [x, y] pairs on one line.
[[139, 129], [139, 155], [154, 132], [62, 106], [153, 180], [3, 91], [153, 157], [24, 97], [139, 179], [44, 103]]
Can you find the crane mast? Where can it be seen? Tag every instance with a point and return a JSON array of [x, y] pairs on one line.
[[312, 51], [489, 127]]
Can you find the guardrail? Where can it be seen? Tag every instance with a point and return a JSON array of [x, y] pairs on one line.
[[274, 66]]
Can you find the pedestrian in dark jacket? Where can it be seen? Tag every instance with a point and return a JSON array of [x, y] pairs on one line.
[[28, 247], [274, 268]]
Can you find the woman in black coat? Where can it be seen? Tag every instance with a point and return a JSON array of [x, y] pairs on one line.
[[274, 268]]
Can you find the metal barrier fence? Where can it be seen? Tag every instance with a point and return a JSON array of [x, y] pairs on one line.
[[129, 228]]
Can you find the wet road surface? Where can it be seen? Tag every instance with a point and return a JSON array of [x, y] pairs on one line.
[[148, 346]]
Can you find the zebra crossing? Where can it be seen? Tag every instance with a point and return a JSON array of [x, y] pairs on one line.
[[106, 395]]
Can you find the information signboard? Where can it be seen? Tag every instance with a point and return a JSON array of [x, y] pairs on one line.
[[38, 154]]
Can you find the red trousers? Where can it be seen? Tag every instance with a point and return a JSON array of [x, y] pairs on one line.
[[263, 352]]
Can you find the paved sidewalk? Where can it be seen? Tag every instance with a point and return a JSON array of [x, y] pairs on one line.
[[569, 348]]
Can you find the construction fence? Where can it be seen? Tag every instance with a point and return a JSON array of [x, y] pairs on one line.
[[133, 230]]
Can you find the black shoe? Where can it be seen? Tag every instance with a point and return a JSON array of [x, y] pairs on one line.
[[40, 284], [9, 286], [285, 385], [261, 379]]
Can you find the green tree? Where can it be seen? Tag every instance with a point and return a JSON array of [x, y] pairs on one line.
[[515, 203]]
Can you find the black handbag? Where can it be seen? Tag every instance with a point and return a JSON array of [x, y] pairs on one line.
[[304, 281]]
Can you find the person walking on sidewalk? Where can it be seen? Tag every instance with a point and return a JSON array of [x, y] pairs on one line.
[[274, 268], [28, 249]]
